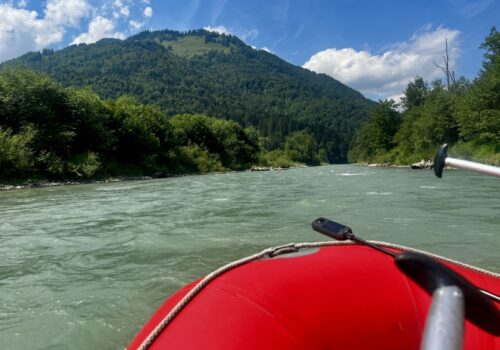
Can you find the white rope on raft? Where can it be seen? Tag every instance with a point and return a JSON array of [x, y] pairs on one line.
[[272, 252]]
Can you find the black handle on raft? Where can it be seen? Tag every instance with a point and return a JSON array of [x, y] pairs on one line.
[[341, 232], [430, 275], [332, 229]]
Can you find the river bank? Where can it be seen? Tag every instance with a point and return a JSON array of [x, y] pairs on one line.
[[47, 183], [423, 164], [382, 165]]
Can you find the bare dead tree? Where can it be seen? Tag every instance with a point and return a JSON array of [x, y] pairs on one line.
[[450, 75]]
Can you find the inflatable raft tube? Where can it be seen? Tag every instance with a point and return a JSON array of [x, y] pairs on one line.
[[307, 296]]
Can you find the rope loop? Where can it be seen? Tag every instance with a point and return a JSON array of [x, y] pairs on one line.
[[284, 249]]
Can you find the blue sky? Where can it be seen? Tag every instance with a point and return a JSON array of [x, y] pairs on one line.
[[373, 46]]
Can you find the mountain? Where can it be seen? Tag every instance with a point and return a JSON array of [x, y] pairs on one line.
[[216, 75]]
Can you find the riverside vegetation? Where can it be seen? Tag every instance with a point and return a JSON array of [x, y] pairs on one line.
[[49, 131], [170, 103], [197, 102], [464, 114]]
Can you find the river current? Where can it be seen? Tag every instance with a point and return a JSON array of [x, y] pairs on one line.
[[84, 266]]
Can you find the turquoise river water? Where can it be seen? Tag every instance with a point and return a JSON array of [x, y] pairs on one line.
[[83, 267]]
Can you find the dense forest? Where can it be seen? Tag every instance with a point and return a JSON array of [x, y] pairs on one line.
[[48, 131], [246, 108], [201, 72], [464, 114]]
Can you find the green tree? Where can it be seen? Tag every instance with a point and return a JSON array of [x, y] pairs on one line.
[[415, 93], [92, 119], [479, 110], [437, 124], [492, 46], [141, 131], [375, 137], [17, 157], [240, 148], [301, 147]]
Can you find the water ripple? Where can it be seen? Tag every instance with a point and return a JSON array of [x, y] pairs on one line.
[[85, 266]]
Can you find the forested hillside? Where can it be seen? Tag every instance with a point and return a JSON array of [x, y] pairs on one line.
[[215, 75], [464, 114], [48, 131]]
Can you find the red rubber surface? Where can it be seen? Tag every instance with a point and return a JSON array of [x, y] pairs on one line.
[[340, 297]]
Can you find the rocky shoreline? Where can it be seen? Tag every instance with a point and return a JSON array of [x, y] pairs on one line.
[[423, 164], [41, 183], [384, 165], [47, 183]]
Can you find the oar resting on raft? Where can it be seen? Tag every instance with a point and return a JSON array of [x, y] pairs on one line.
[[441, 160]]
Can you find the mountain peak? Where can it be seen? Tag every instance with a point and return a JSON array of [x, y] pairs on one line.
[[215, 74], [190, 43]]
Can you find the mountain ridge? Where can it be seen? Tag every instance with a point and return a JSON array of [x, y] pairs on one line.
[[213, 74]]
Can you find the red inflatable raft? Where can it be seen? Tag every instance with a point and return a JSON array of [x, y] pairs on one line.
[[308, 296]]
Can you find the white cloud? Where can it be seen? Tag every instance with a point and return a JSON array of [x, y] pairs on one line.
[[17, 28], [243, 35], [99, 28], [135, 25], [125, 11], [148, 12], [265, 48], [250, 34], [218, 29], [22, 30], [66, 12], [120, 9], [387, 74]]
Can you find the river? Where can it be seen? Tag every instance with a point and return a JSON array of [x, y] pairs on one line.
[[83, 267]]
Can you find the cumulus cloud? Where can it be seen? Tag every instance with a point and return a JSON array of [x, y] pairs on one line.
[[148, 12], [16, 31], [66, 12], [22, 30], [99, 28], [120, 9], [387, 74], [218, 29], [135, 25]]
